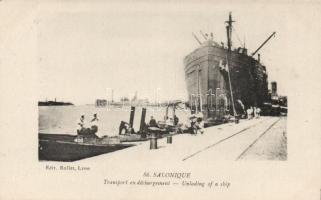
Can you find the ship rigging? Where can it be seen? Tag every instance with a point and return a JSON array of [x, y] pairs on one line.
[[232, 74]]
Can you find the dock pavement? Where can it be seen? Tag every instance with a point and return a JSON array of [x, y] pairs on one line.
[[261, 138]]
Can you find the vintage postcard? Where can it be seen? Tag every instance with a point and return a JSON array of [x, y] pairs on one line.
[[160, 100]]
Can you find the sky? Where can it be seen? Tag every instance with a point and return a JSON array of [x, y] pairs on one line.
[[87, 50]]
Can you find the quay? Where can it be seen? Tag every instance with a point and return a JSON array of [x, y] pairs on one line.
[[261, 138]]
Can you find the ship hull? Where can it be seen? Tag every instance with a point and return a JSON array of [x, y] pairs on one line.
[[208, 85], [53, 147]]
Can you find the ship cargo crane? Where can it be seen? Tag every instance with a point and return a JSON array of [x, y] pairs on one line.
[[196, 38], [273, 34]]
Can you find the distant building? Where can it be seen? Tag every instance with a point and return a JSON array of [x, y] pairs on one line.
[[101, 103], [124, 99], [140, 102]]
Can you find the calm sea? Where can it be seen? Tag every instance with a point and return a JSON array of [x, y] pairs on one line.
[[64, 119]]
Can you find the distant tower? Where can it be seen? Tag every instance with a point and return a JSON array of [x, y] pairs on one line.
[[112, 96]]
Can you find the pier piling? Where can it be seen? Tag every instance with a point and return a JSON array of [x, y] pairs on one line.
[[132, 115], [142, 120]]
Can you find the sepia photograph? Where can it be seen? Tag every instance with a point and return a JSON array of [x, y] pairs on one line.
[[160, 100], [124, 82]]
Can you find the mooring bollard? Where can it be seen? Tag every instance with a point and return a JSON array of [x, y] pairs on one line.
[[169, 139], [237, 119], [153, 141]]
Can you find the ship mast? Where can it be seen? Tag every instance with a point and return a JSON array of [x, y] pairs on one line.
[[229, 31], [229, 45]]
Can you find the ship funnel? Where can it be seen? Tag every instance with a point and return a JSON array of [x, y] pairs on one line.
[[258, 57], [274, 88]]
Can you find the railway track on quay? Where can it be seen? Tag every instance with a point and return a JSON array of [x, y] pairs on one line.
[[237, 144]]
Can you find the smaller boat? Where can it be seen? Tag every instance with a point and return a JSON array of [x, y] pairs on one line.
[[63, 147]]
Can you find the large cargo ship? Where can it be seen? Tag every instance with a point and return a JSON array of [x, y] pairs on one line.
[[221, 80]]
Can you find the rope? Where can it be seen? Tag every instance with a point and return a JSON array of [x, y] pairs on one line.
[[237, 36]]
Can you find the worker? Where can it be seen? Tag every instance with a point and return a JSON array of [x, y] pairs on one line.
[[82, 126], [123, 126], [152, 122], [199, 125], [94, 124], [193, 127], [258, 112], [167, 120], [176, 120], [249, 112], [240, 108], [254, 112]]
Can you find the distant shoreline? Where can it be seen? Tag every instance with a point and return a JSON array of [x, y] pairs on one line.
[[54, 103]]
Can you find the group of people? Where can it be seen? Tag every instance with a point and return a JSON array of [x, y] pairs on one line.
[[253, 112], [86, 128], [125, 128], [167, 120], [90, 127], [196, 125]]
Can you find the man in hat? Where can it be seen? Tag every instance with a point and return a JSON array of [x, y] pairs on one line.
[[123, 126], [193, 120], [94, 124], [199, 125], [81, 124], [176, 120], [152, 122]]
